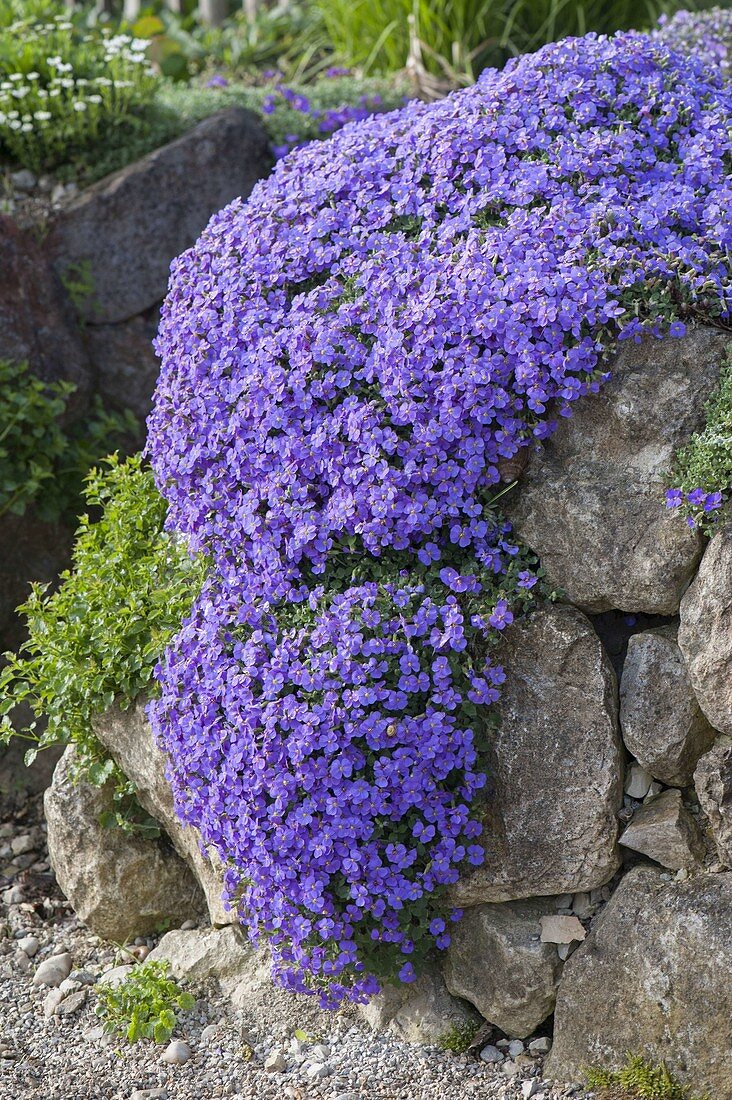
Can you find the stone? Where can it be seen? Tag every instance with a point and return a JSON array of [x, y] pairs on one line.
[[201, 953], [592, 501], [275, 1062], [541, 1045], [637, 781], [665, 831], [713, 782], [662, 724], [318, 1071], [652, 976], [515, 1047], [116, 975], [23, 180], [126, 229], [497, 962], [530, 1088], [52, 971], [420, 1012], [553, 795], [51, 1001], [176, 1053], [491, 1054], [561, 929], [71, 1004], [125, 364], [29, 945], [705, 631], [149, 1094], [20, 845], [120, 885], [127, 736]]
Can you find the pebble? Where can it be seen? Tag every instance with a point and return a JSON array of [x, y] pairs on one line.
[[188, 926], [510, 1069], [637, 781], [149, 1094], [116, 975], [24, 180], [320, 1052], [275, 1062], [530, 1088], [70, 1005], [491, 1054], [176, 1053], [540, 1046], [30, 945], [515, 1047], [317, 1071], [210, 1032], [52, 971], [51, 1002], [557, 929]]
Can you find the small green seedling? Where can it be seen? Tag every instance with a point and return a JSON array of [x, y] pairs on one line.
[[637, 1080], [144, 1005]]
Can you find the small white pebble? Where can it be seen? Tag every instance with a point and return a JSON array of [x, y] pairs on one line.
[[176, 1053]]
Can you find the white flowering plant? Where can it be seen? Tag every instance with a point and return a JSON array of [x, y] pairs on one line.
[[65, 88]]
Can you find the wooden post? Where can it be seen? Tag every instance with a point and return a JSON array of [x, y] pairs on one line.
[[213, 12]]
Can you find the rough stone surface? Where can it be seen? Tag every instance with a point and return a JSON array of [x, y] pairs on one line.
[[661, 721], [121, 886], [591, 504], [127, 736], [713, 782], [198, 954], [665, 831], [421, 1012], [555, 766], [562, 929], [705, 633], [125, 364], [127, 228], [54, 970], [497, 962], [653, 976]]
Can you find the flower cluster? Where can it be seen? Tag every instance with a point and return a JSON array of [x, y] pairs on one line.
[[349, 359], [320, 121], [706, 36], [64, 90]]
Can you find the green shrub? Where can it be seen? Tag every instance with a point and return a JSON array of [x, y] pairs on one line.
[[702, 474], [42, 461], [144, 1005], [638, 1080], [96, 637], [66, 89]]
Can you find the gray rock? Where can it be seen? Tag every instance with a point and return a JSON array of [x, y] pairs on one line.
[[125, 364], [550, 814], [52, 971], [705, 633], [24, 180], [665, 831], [497, 962], [127, 736], [591, 504], [491, 1054], [420, 1012], [176, 1053], [120, 885], [661, 721], [198, 954], [29, 944], [71, 1004], [51, 1001], [128, 227], [116, 974], [540, 1046], [275, 1062], [149, 1094], [653, 976], [713, 782]]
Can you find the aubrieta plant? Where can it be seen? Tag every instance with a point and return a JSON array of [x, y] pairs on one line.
[[348, 358]]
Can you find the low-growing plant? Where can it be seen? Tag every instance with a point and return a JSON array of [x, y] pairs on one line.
[[459, 1038], [144, 1005], [96, 637], [638, 1079], [702, 473], [65, 90], [43, 456]]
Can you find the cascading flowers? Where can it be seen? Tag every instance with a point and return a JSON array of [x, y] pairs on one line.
[[348, 360]]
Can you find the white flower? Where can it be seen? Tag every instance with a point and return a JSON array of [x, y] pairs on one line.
[[42, 116], [80, 105], [32, 76], [95, 99], [26, 127]]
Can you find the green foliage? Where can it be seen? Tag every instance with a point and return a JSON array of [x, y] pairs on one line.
[[96, 638], [66, 89], [638, 1080], [459, 38], [459, 1038], [706, 460], [144, 1005], [42, 461], [178, 107]]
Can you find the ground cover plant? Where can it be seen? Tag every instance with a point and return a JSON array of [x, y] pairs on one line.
[[144, 1005], [637, 1080], [348, 360]]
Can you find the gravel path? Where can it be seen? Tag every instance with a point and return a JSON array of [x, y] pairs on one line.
[[64, 1055]]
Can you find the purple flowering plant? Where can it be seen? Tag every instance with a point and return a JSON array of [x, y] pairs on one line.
[[347, 358]]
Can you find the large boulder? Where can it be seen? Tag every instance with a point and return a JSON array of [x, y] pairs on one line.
[[652, 978], [127, 736], [126, 365], [591, 503], [119, 884], [124, 231], [713, 782], [497, 962], [660, 718], [705, 633], [664, 830], [555, 766]]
